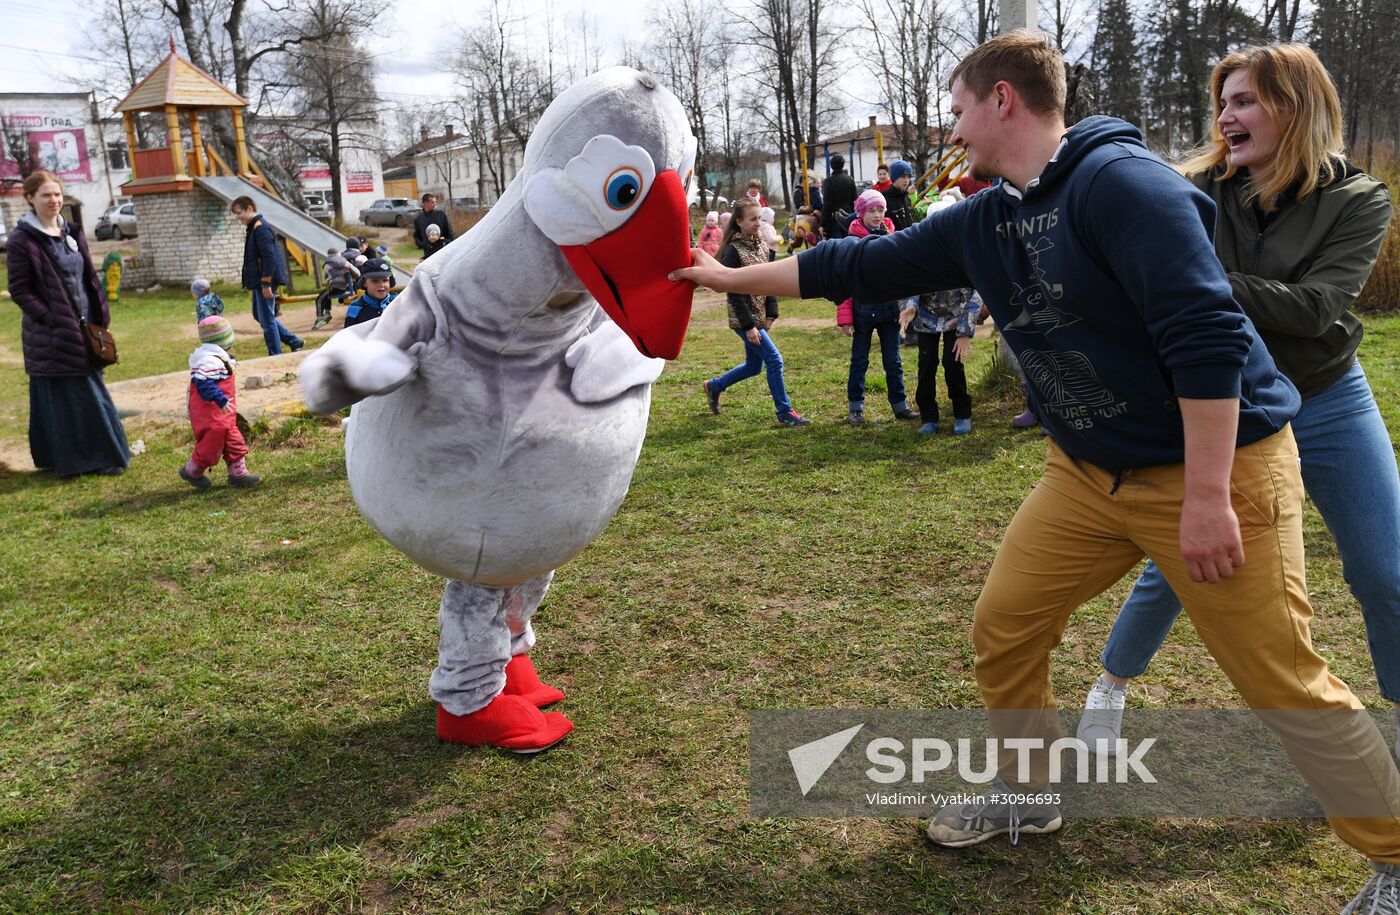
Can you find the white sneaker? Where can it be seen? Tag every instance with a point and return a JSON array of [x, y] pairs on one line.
[[1103, 716], [1380, 895]]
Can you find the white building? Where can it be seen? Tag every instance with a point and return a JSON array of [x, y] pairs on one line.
[[860, 150], [62, 136], [460, 174], [361, 172]]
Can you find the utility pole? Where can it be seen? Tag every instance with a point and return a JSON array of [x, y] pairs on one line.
[[1016, 14]]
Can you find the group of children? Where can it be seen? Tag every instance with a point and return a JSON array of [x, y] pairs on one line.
[[213, 394], [356, 269], [943, 323]]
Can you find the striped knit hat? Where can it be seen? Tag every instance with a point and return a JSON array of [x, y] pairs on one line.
[[217, 330]]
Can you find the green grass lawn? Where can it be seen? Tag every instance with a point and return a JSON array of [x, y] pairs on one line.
[[217, 702]]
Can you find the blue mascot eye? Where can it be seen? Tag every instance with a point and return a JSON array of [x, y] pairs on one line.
[[623, 188]]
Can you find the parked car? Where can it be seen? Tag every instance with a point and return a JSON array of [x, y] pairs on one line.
[[117, 223], [709, 200], [317, 206], [391, 211]]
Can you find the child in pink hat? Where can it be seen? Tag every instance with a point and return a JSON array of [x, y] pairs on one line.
[[213, 410]]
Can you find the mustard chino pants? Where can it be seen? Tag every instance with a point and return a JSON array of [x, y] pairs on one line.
[[1075, 536]]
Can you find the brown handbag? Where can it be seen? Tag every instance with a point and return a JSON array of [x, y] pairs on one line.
[[102, 349]]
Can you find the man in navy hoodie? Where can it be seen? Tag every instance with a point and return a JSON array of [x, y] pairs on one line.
[[1168, 423], [263, 271]]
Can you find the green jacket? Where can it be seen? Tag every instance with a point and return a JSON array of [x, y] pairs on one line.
[[1298, 277]]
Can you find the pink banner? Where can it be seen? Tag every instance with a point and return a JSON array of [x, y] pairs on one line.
[[63, 151]]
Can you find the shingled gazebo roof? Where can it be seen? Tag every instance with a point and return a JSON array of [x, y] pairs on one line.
[[176, 81]]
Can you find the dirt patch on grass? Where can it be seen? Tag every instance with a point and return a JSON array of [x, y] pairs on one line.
[[416, 821], [379, 896]]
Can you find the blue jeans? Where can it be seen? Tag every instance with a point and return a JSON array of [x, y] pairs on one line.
[[756, 358], [275, 333], [1349, 472], [884, 320]]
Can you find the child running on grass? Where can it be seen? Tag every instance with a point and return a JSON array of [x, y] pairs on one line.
[[341, 277], [751, 316], [213, 410]]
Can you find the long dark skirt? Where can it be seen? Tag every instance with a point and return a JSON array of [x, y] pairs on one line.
[[74, 426]]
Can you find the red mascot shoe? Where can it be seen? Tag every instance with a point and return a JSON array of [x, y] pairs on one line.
[[522, 681], [509, 722]]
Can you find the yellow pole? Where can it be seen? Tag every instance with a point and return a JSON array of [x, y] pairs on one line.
[[130, 142], [240, 140], [198, 142], [956, 158], [879, 147], [802, 164], [177, 145]]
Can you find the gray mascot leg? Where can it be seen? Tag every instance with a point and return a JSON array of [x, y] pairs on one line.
[[480, 630]]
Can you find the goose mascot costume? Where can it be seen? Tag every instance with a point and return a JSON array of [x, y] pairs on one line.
[[501, 401]]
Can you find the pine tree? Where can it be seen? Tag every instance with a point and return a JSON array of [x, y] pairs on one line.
[[1115, 55]]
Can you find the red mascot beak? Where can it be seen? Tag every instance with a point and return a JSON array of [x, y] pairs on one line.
[[626, 269]]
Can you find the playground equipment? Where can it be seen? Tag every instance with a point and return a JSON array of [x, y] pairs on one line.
[[950, 165], [310, 236], [182, 191]]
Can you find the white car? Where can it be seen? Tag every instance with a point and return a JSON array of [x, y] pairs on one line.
[[317, 206]]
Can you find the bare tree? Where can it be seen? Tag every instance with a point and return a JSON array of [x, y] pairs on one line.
[[689, 51], [1066, 21], [330, 86], [505, 88], [15, 147], [793, 48], [909, 59], [132, 29]]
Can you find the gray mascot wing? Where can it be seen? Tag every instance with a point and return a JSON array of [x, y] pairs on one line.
[[376, 357]]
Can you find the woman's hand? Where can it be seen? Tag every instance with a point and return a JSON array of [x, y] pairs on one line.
[[906, 317], [961, 347], [847, 329], [752, 336]]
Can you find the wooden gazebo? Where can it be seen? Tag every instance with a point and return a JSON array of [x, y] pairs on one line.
[[177, 87]]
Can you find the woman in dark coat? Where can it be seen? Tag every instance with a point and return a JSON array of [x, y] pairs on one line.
[[73, 424]]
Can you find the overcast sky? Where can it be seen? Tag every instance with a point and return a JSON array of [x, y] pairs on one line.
[[44, 51], [41, 44]]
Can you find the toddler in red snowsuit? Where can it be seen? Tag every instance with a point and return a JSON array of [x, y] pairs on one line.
[[213, 411]]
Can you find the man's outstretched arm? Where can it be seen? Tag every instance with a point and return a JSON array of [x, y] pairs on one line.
[[777, 278]]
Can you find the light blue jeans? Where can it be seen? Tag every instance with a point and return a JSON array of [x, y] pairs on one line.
[[756, 358], [1349, 472]]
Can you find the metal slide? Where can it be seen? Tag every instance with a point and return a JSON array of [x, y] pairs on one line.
[[311, 234]]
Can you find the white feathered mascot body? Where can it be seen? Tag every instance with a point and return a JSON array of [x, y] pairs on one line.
[[500, 407]]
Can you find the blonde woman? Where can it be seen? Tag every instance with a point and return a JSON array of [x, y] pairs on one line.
[[1298, 229]]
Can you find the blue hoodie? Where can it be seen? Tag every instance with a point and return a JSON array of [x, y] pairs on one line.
[[1103, 279]]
